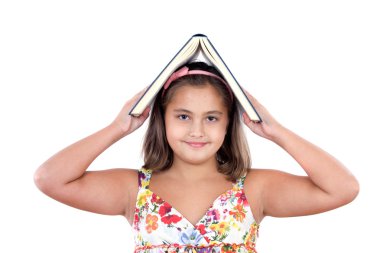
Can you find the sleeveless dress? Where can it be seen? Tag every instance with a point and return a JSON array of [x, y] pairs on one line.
[[227, 226]]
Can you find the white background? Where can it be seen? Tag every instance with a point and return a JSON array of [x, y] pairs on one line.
[[67, 67]]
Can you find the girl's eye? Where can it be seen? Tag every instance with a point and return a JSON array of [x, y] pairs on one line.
[[211, 118], [183, 117]]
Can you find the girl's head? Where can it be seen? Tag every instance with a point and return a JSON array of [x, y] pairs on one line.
[[197, 117]]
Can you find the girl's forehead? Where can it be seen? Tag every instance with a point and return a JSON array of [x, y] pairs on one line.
[[205, 96], [196, 90], [192, 93]]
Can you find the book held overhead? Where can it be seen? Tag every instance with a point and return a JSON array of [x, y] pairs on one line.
[[197, 48]]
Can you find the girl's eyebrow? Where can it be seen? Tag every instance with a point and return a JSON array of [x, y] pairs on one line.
[[189, 112], [182, 110], [214, 112]]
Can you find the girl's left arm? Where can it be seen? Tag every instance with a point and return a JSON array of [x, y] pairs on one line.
[[328, 183]]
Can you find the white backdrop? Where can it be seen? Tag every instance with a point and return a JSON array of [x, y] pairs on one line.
[[67, 67]]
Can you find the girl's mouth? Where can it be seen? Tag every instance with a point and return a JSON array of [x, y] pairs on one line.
[[194, 144]]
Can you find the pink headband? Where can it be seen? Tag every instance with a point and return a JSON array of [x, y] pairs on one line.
[[184, 71]]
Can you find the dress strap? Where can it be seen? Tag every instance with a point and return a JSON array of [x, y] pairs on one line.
[[144, 178], [239, 184]]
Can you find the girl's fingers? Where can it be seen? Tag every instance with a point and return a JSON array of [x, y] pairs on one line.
[[146, 112], [246, 119], [248, 122]]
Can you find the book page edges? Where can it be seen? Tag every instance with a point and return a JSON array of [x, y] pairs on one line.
[[217, 61], [183, 55]]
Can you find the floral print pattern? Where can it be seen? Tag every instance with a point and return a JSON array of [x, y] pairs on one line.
[[227, 226]]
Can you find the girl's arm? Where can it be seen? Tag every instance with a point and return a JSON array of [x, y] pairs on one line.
[[64, 177], [328, 183]]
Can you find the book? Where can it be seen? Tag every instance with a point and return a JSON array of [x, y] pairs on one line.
[[197, 48]]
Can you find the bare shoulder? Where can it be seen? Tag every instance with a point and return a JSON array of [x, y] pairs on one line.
[[109, 192], [130, 177], [281, 194], [125, 181], [256, 181], [256, 176], [253, 185], [126, 178]]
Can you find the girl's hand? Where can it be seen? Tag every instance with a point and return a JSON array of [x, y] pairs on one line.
[[268, 127], [128, 123]]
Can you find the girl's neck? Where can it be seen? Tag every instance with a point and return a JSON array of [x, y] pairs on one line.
[[194, 172]]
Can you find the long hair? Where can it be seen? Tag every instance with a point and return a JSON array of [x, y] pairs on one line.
[[233, 156]]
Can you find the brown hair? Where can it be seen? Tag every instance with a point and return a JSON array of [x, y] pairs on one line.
[[233, 156]]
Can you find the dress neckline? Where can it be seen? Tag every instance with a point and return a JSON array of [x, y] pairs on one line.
[[235, 186], [204, 216]]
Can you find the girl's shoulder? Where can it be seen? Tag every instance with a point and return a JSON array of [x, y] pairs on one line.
[[130, 179], [254, 184], [255, 175], [254, 179], [259, 175], [265, 174], [126, 178]]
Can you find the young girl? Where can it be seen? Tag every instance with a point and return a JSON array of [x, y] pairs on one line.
[[196, 191]]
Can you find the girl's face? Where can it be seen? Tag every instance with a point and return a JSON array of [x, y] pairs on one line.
[[196, 121]]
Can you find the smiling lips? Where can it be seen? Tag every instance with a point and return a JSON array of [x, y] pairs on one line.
[[194, 144]]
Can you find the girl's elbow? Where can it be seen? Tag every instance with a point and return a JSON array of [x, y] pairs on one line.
[[351, 191], [355, 189], [39, 179], [42, 180]]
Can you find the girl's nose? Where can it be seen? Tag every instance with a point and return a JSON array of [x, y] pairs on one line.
[[196, 129]]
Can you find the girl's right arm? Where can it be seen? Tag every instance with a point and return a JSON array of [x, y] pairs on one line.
[[64, 177]]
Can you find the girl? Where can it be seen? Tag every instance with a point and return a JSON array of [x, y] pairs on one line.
[[196, 191]]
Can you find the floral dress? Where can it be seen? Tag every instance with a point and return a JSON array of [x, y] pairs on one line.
[[227, 226]]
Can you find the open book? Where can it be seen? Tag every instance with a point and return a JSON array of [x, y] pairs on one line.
[[198, 48]]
